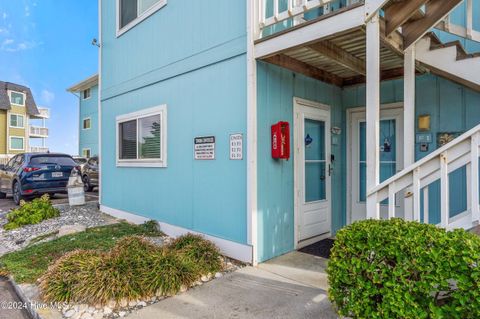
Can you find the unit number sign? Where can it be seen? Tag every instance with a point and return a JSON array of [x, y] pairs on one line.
[[236, 146]]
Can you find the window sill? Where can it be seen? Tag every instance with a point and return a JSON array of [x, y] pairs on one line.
[[152, 164], [143, 16]]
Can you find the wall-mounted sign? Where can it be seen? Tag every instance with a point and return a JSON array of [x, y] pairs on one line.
[[424, 138], [204, 148], [236, 146]]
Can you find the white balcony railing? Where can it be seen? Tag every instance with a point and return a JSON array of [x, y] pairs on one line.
[[36, 131], [44, 113], [461, 152], [469, 30], [38, 149], [271, 12]]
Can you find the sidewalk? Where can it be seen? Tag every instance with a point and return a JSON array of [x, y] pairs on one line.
[[8, 300], [248, 293]]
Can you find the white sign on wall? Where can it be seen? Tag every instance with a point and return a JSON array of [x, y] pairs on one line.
[[236, 146], [204, 148]]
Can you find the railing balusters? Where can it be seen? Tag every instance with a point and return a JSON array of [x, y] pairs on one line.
[[474, 196], [275, 9], [391, 201], [444, 191], [416, 194], [426, 219]]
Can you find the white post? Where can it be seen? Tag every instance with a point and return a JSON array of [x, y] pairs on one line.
[[444, 191], [474, 196], [409, 123], [373, 114]]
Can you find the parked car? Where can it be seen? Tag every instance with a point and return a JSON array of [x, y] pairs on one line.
[[31, 174], [90, 174], [80, 161]]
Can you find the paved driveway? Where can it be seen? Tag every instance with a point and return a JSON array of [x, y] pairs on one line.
[[7, 203], [7, 297], [251, 292]]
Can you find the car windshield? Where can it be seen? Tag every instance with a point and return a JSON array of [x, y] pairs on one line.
[[55, 160]]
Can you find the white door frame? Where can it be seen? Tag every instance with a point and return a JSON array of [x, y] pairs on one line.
[[384, 108], [298, 105]]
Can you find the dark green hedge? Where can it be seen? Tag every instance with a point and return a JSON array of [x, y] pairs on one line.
[[398, 269]]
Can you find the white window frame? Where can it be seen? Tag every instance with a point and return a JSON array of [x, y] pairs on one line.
[[10, 97], [160, 4], [162, 162], [10, 143], [89, 152], [83, 123], [10, 120], [89, 94]]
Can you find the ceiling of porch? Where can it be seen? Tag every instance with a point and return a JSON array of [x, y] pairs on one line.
[[341, 58]]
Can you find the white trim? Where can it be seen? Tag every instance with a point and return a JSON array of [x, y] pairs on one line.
[[160, 4], [299, 105], [227, 247], [350, 113], [99, 103], [10, 121], [252, 208], [24, 98], [83, 123], [10, 143], [160, 110]]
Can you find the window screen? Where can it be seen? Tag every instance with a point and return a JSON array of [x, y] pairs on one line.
[[149, 137]]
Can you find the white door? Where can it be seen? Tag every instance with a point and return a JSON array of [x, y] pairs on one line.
[[391, 159], [312, 171]]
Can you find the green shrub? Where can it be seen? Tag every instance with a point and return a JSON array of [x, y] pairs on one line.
[[133, 269], [32, 212], [200, 251], [399, 269]]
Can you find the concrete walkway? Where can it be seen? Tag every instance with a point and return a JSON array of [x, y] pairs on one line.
[[9, 302], [268, 291]]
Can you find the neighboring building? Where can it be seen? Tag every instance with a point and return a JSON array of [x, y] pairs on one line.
[[87, 92], [17, 111], [190, 91]]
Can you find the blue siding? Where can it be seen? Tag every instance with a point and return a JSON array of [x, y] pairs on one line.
[[178, 57], [276, 89], [89, 108]]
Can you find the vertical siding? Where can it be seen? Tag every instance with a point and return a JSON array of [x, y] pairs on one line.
[[89, 108], [191, 56], [3, 132], [276, 89]]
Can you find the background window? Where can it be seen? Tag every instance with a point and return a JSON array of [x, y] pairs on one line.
[[87, 123], [16, 143], [86, 152], [86, 94], [128, 140], [132, 9], [17, 98], [16, 120]]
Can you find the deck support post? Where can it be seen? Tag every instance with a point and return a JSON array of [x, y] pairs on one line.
[[373, 113], [409, 124]]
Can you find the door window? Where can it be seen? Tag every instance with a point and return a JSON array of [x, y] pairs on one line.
[[315, 161], [388, 154]]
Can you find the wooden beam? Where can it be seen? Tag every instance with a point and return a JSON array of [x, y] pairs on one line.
[[398, 13], [436, 10], [385, 75], [294, 65], [339, 56]]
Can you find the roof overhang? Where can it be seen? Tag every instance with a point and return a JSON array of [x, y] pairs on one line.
[[85, 84]]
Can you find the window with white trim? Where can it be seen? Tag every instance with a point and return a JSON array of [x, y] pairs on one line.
[[17, 143], [17, 98], [87, 123], [131, 12], [141, 138], [86, 152], [86, 94], [17, 120]]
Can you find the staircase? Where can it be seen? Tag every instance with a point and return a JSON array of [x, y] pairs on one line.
[[463, 151], [449, 60]]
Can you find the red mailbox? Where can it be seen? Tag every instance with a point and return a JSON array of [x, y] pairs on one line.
[[281, 140]]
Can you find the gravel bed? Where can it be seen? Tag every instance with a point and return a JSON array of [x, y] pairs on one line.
[[87, 215]]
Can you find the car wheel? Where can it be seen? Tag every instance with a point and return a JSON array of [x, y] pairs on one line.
[[17, 193], [86, 184], [3, 195]]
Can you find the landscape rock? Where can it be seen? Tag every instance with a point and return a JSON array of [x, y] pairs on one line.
[[69, 313]]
